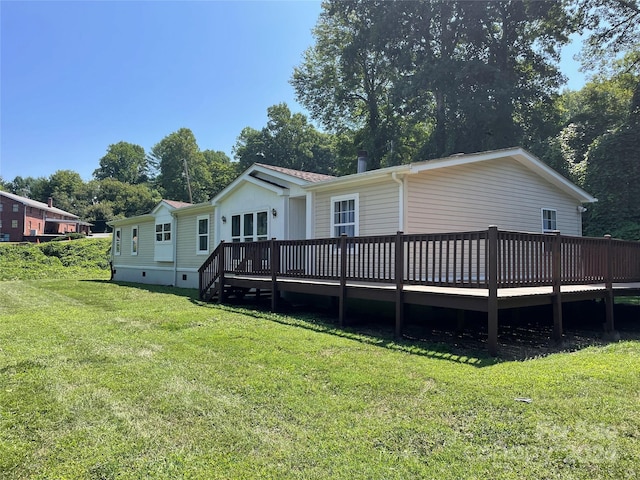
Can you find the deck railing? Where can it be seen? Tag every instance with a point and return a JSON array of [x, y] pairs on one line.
[[460, 259]]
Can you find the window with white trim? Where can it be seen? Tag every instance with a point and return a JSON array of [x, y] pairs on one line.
[[16, 208], [549, 220], [117, 241], [202, 234], [344, 215], [163, 232], [134, 240], [14, 223], [250, 227]]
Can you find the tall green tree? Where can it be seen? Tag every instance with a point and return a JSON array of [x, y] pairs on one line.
[[181, 165], [346, 78], [124, 199], [288, 140], [38, 189], [449, 76], [125, 162], [221, 169]]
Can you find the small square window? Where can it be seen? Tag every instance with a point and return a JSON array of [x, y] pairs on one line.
[[16, 207]]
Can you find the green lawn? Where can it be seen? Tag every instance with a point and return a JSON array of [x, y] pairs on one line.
[[100, 380]]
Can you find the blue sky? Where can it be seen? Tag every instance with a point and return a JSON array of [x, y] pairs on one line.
[[78, 76]]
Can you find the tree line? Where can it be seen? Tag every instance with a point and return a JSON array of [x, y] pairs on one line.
[[411, 81]]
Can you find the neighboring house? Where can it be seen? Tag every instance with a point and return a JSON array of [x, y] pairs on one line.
[[25, 219], [508, 188]]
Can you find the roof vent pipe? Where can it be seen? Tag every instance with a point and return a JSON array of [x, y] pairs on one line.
[[362, 161], [50, 202]]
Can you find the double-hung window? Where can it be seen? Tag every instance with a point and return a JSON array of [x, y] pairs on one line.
[[202, 235], [549, 220], [344, 215]]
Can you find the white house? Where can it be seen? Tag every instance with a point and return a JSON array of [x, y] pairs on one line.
[[509, 188]]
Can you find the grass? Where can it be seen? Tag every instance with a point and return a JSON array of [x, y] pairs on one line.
[[101, 380], [86, 258]]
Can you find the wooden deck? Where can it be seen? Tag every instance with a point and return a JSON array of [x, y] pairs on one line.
[[485, 271]]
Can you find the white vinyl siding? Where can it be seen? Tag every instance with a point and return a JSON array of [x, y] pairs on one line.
[[474, 196], [187, 245], [378, 205], [144, 255]]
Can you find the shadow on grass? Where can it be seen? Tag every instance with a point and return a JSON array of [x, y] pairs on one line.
[[432, 332]]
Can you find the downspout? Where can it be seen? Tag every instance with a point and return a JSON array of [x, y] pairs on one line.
[[400, 182], [174, 235]]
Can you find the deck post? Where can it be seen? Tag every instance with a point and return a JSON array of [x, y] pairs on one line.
[[343, 280], [608, 284], [492, 284], [556, 265], [275, 261], [399, 274], [221, 272]]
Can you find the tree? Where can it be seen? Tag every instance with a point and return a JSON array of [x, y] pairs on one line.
[[287, 140], [124, 199], [38, 189], [221, 169], [430, 78], [125, 162], [176, 155], [345, 79]]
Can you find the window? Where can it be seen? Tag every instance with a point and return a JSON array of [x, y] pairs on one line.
[[549, 220], [1, 206], [14, 223], [134, 240], [163, 232], [344, 215], [117, 241], [16, 207], [235, 228], [202, 235], [248, 227], [261, 226], [255, 227]]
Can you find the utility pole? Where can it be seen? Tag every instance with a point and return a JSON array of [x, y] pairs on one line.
[[186, 174]]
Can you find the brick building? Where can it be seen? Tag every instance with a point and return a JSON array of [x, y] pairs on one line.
[[23, 219]]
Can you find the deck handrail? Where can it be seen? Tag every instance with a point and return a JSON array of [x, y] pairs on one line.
[[454, 259], [209, 271]]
